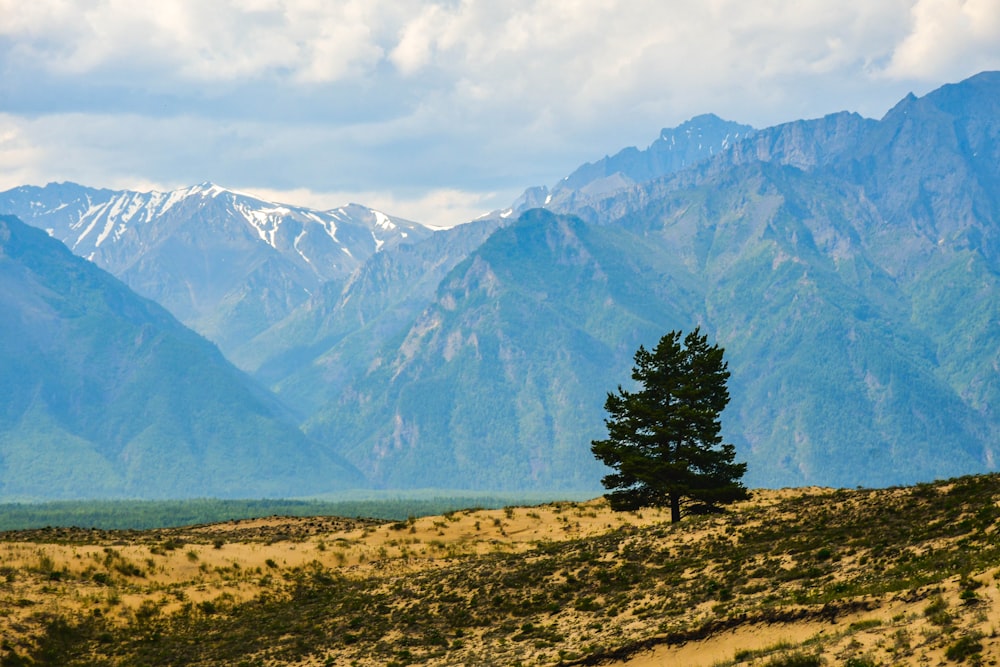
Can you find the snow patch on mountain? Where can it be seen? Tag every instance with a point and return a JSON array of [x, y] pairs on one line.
[[382, 221], [295, 244]]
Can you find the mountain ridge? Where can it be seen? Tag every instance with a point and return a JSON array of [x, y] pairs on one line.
[[676, 149], [225, 263]]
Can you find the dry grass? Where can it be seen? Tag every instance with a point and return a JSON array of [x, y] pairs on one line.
[[804, 576]]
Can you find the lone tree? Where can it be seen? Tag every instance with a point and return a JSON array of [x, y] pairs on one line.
[[663, 440]]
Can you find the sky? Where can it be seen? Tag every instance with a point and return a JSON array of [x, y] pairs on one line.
[[436, 110]]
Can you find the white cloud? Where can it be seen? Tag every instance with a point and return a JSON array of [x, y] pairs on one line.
[[439, 96], [572, 58], [169, 153], [413, 50], [948, 38], [195, 40], [19, 156], [581, 57], [440, 208]]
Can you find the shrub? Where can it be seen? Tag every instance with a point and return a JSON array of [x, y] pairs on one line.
[[965, 647], [860, 662], [795, 660], [937, 612]]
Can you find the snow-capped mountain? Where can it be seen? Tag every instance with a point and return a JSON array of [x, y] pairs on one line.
[[227, 264]]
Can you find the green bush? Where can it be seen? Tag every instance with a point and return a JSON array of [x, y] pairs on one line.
[[796, 660], [860, 662], [965, 647], [937, 612]]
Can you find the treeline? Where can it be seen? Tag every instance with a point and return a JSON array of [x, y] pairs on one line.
[[148, 514]]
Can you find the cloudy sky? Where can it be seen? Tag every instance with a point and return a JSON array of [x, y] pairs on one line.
[[436, 110]]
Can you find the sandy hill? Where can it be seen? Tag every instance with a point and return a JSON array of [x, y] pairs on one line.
[[793, 577]]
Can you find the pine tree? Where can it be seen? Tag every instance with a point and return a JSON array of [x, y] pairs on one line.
[[663, 440]]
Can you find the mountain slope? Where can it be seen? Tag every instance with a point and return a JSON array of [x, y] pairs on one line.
[[933, 171], [310, 355], [832, 381], [227, 264], [847, 265], [856, 288], [104, 394], [493, 385]]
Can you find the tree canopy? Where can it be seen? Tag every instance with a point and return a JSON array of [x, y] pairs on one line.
[[663, 440]]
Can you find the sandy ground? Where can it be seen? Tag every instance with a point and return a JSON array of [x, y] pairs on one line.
[[229, 561], [893, 633]]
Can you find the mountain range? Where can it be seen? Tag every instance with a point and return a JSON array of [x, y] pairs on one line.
[[227, 264], [848, 266]]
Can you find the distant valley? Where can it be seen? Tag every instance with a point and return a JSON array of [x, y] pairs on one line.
[[848, 266]]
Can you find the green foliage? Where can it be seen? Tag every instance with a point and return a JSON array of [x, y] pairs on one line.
[[663, 440], [148, 514], [964, 647], [795, 660], [860, 662], [937, 611]]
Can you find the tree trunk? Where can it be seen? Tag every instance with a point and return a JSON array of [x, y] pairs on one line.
[[675, 508]]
